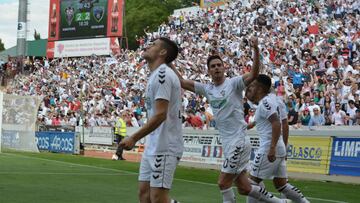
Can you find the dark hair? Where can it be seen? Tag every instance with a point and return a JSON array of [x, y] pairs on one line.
[[213, 57], [171, 48], [265, 82]]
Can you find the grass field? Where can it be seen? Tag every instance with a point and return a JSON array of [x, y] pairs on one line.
[[59, 178]]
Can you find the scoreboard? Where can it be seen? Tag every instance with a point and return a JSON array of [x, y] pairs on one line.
[[77, 20], [82, 19]]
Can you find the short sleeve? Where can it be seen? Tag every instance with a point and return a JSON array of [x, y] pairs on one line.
[[162, 85], [200, 88], [238, 83], [267, 109]]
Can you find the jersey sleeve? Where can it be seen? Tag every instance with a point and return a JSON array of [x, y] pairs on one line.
[[267, 109], [162, 85], [282, 109], [238, 83], [200, 88]]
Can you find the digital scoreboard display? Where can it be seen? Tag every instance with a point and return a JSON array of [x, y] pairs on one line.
[[83, 18]]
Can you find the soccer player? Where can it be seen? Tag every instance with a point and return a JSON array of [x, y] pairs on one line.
[[269, 161], [164, 145], [225, 98]]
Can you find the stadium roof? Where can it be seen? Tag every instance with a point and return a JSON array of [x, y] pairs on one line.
[[34, 48]]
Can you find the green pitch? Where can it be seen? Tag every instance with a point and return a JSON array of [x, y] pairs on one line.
[[52, 178]]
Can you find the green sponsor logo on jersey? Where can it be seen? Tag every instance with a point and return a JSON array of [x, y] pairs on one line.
[[218, 104]]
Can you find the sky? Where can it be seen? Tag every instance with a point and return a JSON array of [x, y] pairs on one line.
[[38, 19]]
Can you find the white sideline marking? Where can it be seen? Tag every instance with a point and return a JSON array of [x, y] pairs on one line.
[[72, 164], [133, 173]]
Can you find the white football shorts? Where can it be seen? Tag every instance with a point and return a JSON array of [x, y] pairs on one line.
[[158, 170], [236, 156], [262, 168]]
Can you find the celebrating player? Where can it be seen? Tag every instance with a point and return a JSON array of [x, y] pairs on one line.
[[269, 162], [225, 98], [164, 145]]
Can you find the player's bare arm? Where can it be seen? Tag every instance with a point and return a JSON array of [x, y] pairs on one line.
[[161, 106], [276, 131], [285, 130], [250, 77], [185, 84]]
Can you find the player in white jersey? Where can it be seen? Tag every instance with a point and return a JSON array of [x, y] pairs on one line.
[[269, 161], [225, 98], [164, 144]]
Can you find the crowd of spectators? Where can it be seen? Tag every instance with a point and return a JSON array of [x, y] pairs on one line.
[[309, 48]]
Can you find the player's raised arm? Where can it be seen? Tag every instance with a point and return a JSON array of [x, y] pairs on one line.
[[185, 84], [161, 109], [276, 131], [249, 77]]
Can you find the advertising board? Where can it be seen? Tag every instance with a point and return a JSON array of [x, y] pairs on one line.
[[345, 156]]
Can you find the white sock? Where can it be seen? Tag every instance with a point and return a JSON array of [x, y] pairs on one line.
[[293, 193], [174, 201], [261, 194], [228, 195], [250, 199]]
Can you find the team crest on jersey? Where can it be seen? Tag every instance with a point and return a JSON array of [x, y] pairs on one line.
[[267, 106]]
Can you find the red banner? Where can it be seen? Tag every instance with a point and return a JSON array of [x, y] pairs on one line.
[[50, 50], [115, 10], [54, 20], [114, 45]]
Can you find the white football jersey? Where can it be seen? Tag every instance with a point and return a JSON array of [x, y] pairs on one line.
[[167, 139], [267, 107], [226, 101]]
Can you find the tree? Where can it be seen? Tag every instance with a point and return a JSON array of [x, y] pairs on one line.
[[2, 46], [139, 14], [36, 35]]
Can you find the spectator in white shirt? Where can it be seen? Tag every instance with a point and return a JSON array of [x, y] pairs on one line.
[[312, 106], [338, 116]]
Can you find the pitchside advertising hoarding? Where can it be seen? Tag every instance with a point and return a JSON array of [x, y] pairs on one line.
[[96, 135], [305, 154], [205, 149], [345, 156], [64, 142], [309, 154], [83, 19]]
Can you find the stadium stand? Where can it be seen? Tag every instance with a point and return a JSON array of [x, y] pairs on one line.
[[310, 48]]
